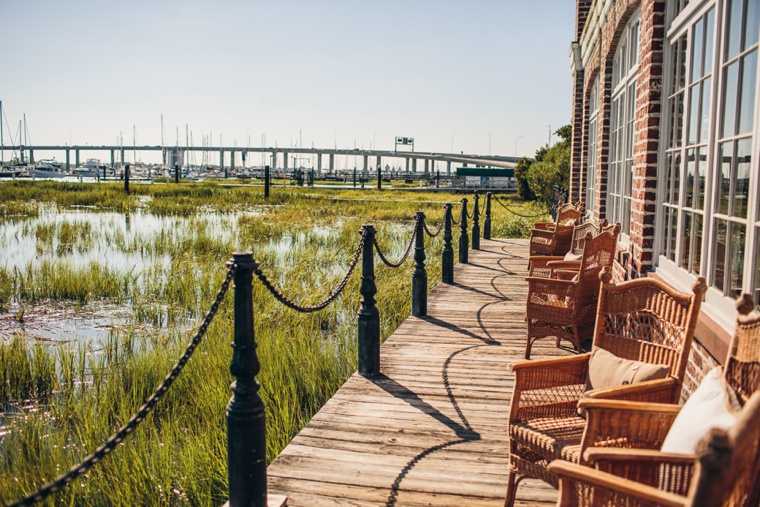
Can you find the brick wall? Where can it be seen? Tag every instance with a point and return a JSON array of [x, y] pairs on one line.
[[700, 362]]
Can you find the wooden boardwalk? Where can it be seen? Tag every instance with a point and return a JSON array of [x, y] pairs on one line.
[[431, 429]]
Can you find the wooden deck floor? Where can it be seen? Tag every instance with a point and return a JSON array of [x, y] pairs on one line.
[[431, 429]]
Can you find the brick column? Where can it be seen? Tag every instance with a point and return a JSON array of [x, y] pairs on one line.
[[576, 141], [647, 135]]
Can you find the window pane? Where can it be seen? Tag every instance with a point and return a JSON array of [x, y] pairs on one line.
[[691, 162], [678, 111], [737, 259], [668, 178], [700, 173], [672, 231], [719, 250], [696, 51], [725, 154], [677, 178], [730, 82], [693, 114], [697, 248], [683, 47], [686, 242], [741, 185], [709, 27], [747, 104], [733, 27], [704, 129], [751, 23]]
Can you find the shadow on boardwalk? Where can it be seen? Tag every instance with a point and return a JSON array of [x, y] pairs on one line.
[[431, 428]]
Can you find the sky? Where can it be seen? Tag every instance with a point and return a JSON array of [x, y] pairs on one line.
[[478, 76]]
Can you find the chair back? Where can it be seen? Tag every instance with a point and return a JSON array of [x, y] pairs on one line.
[[742, 367], [579, 234], [569, 211], [728, 463], [648, 320]]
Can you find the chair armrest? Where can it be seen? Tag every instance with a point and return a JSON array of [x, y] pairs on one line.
[[626, 424], [563, 264], [547, 385], [564, 274], [537, 264], [571, 474], [666, 390], [668, 472], [544, 225]]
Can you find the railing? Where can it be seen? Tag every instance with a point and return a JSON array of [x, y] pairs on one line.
[[246, 425]]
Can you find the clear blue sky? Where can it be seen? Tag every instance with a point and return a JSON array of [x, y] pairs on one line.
[[461, 74]]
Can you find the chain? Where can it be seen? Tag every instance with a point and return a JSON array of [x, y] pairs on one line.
[[115, 439], [406, 254], [427, 231], [308, 309], [518, 214], [453, 220]]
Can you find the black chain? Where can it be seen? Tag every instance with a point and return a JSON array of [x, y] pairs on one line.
[[454, 221], [518, 214], [406, 254], [427, 231], [308, 309], [115, 439]]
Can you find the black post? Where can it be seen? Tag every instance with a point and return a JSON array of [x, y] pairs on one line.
[[447, 255], [463, 239], [437, 179], [487, 221], [354, 177], [246, 424], [126, 179], [476, 223], [369, 315], [379, 178], [176, 173], [419, 277], [266, 182], [104, 171]]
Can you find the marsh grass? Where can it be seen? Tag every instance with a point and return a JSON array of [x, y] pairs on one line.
[[63, 401]]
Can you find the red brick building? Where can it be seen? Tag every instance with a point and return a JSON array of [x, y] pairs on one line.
[[665, 141]]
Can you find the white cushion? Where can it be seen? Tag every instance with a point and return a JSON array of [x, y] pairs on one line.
[[570, 256], [570, 221], [708, 407]]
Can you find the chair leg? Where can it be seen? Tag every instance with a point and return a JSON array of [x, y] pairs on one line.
[[512, 482]]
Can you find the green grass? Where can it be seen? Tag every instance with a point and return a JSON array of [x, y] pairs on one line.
[[82, 391]]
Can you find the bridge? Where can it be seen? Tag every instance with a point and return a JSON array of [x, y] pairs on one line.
[[280, 158]]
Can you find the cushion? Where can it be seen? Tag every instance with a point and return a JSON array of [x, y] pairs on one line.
[[570, 256], [607, 370], [712, 405], [570, 221]]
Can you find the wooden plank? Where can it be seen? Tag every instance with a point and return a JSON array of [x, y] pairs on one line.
[[431, 429]]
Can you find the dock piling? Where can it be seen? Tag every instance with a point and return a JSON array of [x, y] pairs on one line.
[[369, 315]]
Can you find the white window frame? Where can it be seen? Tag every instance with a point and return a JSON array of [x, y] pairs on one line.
[[592, 148]]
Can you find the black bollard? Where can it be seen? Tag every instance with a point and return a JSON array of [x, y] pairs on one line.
[[176, 173], [447, 255], [266, 182], [437, 179], [369, 315], [246, 423], [104, 172], [476, 223], [379, 178], [463, 239], [126, 179], [487, 221], [419, 277], [354, 177]]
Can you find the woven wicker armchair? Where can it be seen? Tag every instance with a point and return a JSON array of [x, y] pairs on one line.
[[553, 238], [644, 320], [645, 425], [541, 265], [726, 472], [565, 308]]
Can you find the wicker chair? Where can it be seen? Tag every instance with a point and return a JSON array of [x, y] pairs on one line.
[[726, 473], [553, 238], [644, 320], [541, 265], [645, 425], [565, 308]]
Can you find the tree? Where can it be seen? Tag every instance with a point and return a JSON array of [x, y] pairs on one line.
[[552, 167], [521, 177]]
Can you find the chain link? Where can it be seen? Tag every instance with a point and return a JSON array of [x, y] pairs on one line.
[[406, 254], [518, 214], [308, 309], [115, 439]]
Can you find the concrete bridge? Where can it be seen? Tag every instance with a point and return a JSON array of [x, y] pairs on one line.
[[278, 158]]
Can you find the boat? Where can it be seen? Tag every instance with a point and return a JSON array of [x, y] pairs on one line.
[[46, 169], [93, 168]]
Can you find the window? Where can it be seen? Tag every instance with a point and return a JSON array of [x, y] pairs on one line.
[[625, 66], [709, 221], [593, 132]]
